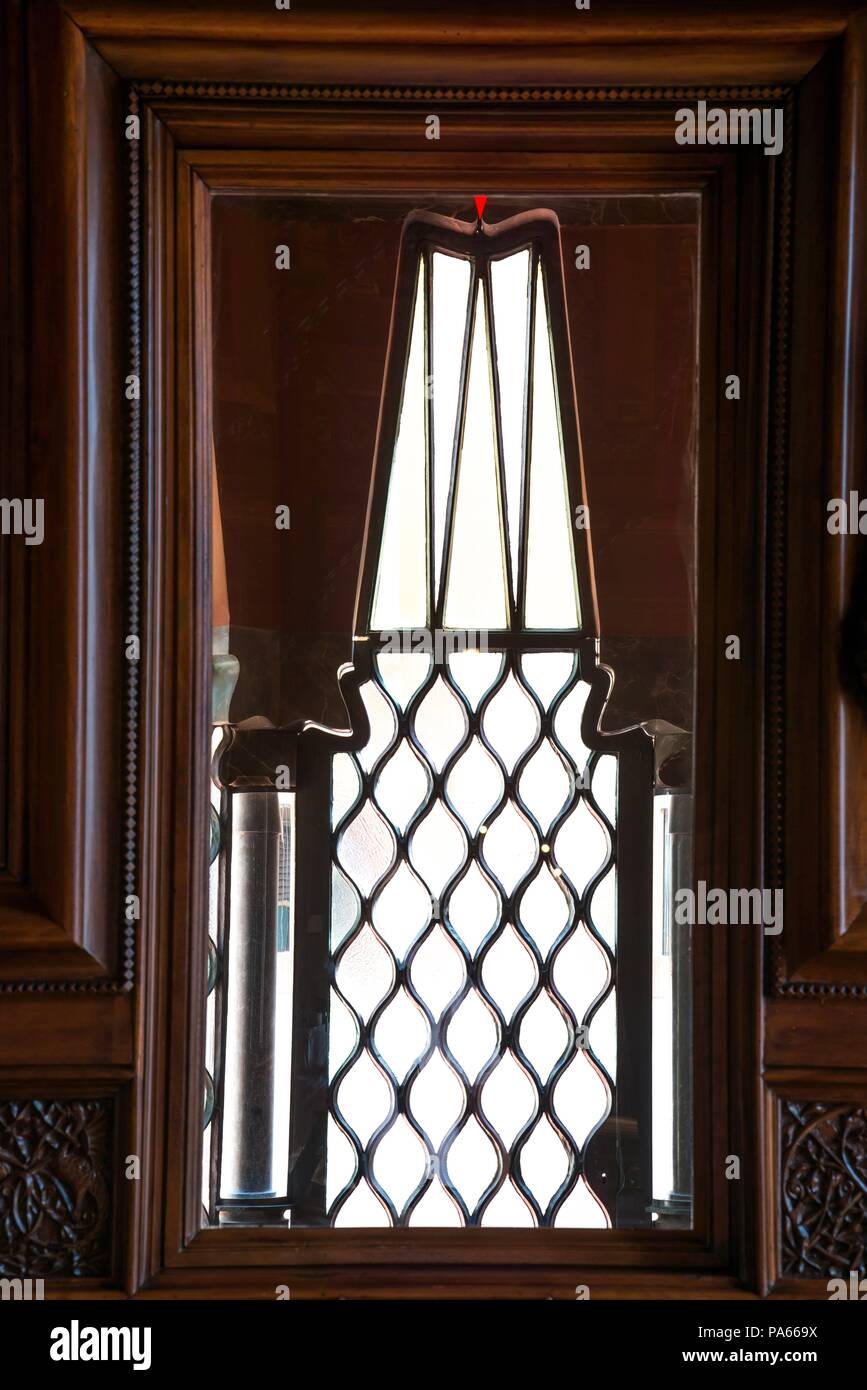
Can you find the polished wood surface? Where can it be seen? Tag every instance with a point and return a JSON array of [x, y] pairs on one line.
[[781, 796], [620, 43]]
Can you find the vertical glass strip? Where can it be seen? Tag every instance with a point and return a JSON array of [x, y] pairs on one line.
[[551, 596], [400, 596], [450, 295], [285, 975], [476, 577], [510, 291]]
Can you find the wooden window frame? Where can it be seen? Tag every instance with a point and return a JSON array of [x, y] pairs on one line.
[[119, 236]]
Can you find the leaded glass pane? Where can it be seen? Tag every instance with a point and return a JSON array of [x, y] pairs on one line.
[[485, 876], [510, 291], [401, 594], [551, 599], [451, 287], [475, 577], [448, 987]]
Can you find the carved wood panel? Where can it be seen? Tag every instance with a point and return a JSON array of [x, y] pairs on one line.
[[55, 1187], [823, 1181]]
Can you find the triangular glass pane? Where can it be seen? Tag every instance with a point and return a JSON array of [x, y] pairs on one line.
[[476, 580], [400, 595], [510, 289], [552, 586], [451, 287]]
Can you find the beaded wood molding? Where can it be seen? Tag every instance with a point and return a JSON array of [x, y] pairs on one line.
[[586, 95]]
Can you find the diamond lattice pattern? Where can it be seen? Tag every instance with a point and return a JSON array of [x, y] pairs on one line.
[[472, 947]]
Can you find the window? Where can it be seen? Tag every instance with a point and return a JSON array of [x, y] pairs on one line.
[[445, 985]]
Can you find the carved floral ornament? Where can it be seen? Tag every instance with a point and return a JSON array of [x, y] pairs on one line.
[[55, 1194], [824, 1189]]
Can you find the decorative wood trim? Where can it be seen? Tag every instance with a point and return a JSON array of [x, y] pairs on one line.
[[181, 182], [823, 1189], [818, 1156], [776, 512], [818, 809], [13, 439], [787, 988], [681, 41], [56, 1183], [622, 22], [246, 91], [61, 909], [134, 558], [444, 1280]]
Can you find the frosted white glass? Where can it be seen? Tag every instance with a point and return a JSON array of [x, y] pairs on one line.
[[401, 1034], [510, 291], [400, 593], [472, 1162], [451, 287], [552, 585], [476, 580]]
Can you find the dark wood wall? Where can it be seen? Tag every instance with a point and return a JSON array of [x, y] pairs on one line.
[[105, 274]]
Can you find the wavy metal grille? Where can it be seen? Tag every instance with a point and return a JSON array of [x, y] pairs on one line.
[[428, 1128]]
